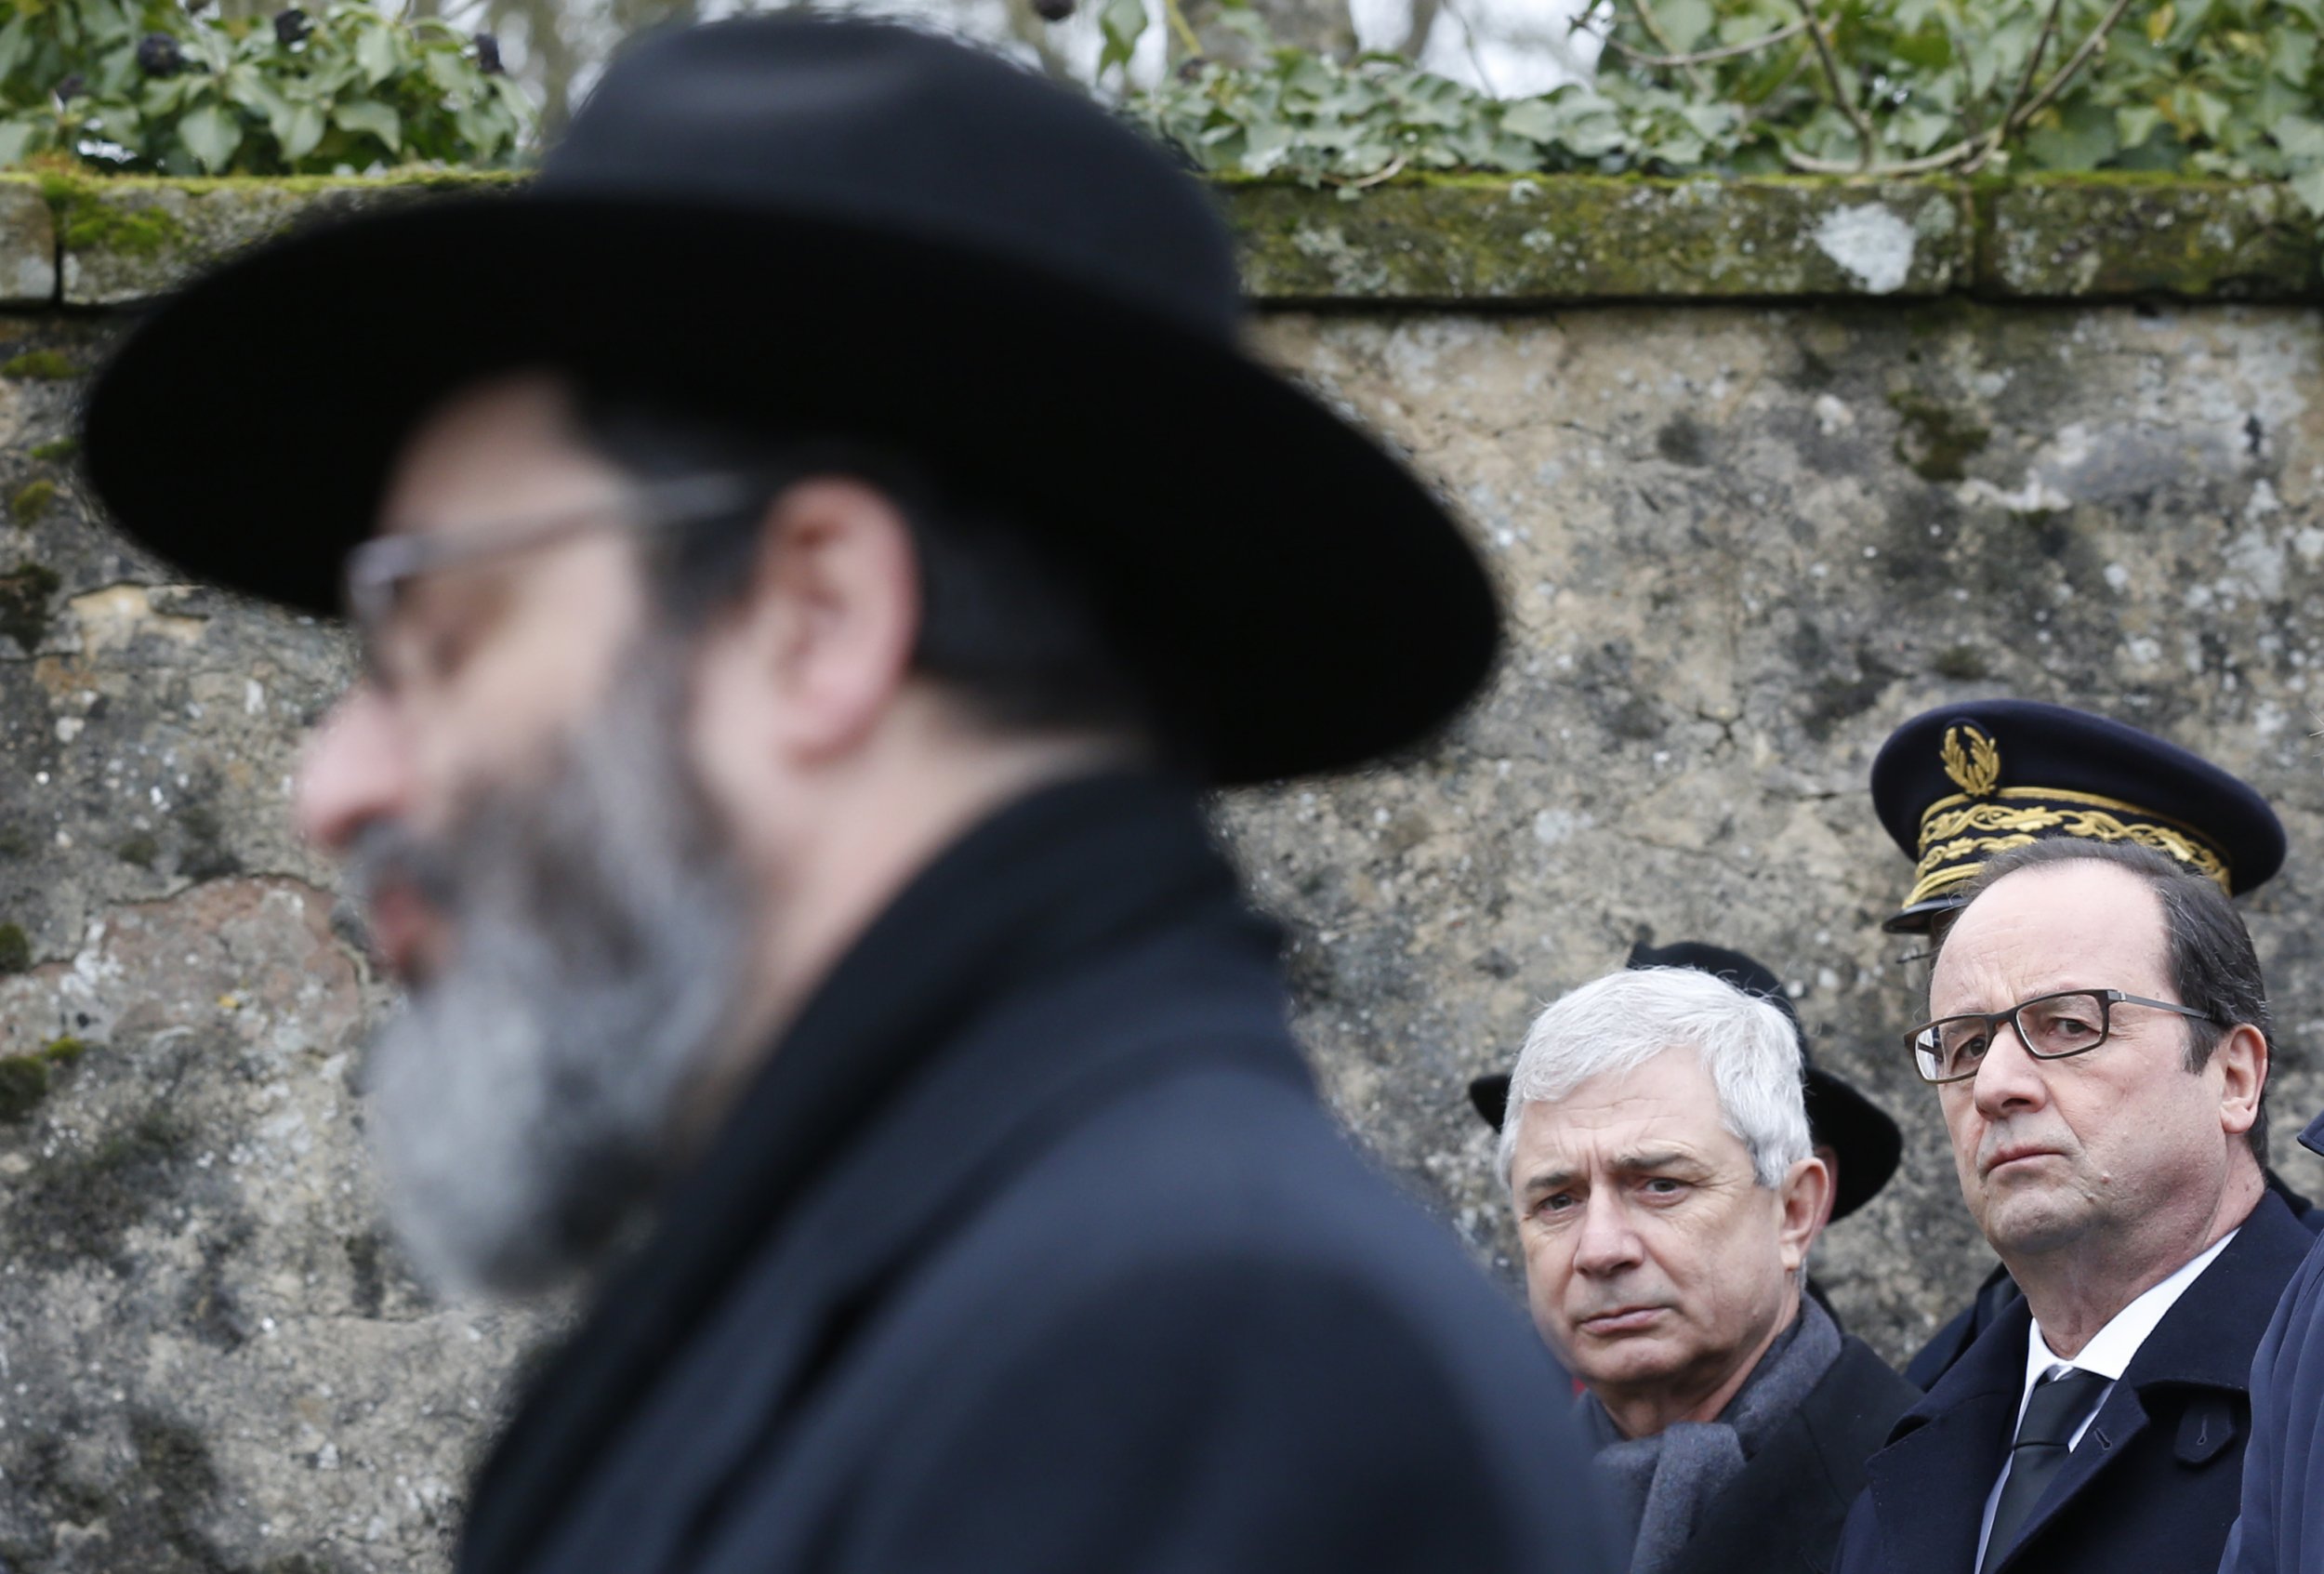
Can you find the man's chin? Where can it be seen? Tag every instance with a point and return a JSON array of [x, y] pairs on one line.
[[2027, 1221]]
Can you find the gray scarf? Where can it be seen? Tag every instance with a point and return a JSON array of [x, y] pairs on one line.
[[1662, 1484]]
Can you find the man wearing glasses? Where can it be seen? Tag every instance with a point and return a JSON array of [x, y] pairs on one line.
[[1960, 785], [2099, 1050], [776, 776]]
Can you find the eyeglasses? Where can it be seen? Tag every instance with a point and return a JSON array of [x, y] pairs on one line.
[[380, 570], [2073, 1021]]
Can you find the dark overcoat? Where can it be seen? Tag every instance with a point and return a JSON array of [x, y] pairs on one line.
[[1783, 1514], [2152, 1485], [1032, 1250], [2283, 1526], [1999, 1289]]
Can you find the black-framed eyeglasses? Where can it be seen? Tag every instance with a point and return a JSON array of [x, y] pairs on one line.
[[2071, 1022], [378, 571]]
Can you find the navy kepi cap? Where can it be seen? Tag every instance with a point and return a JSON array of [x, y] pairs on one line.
[[1957, 786]]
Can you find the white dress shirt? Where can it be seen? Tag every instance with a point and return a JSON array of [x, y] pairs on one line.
[[2108, 1354]]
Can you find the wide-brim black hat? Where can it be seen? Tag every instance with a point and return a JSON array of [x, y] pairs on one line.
[[1867, 1143], [1957, 786], [824, 227]]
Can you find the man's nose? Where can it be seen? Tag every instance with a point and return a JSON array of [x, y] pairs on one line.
[[1608, 1244], [355, 771], [2008, 1078]]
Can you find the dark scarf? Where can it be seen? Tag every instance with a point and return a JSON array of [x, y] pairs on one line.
[[1069, 872], [1663, 1484]]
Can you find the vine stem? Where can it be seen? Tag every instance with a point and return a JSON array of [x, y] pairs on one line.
[[1654, 31], [1868, 141], [2024, 87], [1188, 39], [1704, 57], [2075, 63], [1976, 149]]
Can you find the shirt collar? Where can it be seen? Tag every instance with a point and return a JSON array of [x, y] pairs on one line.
[[2111, 1349]]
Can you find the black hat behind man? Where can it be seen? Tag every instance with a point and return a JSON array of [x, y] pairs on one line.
[[824, 228], [1960, 784], [1866, 1141]]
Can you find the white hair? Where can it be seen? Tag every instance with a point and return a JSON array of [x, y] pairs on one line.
[[1625, 1019]]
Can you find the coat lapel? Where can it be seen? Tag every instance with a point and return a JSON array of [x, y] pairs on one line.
[[2202, 1350], [1929, 1484], [1047, 889]]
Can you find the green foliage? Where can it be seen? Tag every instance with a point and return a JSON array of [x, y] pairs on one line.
[[146, 87], [2228, 88]]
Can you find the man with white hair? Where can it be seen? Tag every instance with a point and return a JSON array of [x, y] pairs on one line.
[[1656, 1153]]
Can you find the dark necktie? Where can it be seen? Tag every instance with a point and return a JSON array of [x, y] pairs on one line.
[[2044, 1443]]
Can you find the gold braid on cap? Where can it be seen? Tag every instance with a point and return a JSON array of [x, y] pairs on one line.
[[1961, 834]]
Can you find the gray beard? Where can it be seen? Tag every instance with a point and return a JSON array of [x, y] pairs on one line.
[[522, 1104]]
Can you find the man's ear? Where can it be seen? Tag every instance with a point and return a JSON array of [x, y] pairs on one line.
[[832, 614], [1806, 1198], [2241, 1060]]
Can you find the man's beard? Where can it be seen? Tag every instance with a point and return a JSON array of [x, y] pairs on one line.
[[524, 1104]]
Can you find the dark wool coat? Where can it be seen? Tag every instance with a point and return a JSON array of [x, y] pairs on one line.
[[2282, 1528], [2154, 1483], [1783, 1514], [1999, 1289], [1032, 1250]]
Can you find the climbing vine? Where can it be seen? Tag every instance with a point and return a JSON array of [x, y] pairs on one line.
[[157, 86], [2227, 88]]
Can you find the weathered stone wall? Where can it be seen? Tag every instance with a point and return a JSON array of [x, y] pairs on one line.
[[1833, 463]]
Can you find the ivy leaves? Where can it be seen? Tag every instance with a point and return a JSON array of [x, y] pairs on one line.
[[2228, 88], [142, 86]]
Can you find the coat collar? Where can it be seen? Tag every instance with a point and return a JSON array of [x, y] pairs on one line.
[[1065, 876], [1929, 1484]]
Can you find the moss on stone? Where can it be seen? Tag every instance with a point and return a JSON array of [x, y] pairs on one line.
[[23, 1083], [15, 949], [2124, 232], [1590, 237], [63, 1051], [39, 365], [1961, 663], [139, 848], [25, 593], [86, 222], [32, 501], [57, 448], [1934, 440]]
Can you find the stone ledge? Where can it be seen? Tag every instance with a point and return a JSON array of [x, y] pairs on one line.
[[1584, 238], [124, 240], [28, 244], [1468, 240]]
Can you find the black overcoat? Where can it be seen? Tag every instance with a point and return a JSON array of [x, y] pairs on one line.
[[1032, 1250], [1784, 1514], [2152, 1485]]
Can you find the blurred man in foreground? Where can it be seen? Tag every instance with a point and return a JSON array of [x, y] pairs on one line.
[[1656, 1153], [776, 779], [2099, 1047]]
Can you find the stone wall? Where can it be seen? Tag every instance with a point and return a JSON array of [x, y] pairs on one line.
[[1763, 471]]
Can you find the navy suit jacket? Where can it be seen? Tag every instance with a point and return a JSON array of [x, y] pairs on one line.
[[2155, 1482]]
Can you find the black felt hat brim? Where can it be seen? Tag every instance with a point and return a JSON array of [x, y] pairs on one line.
[[1868, 1142], [1295, 599]]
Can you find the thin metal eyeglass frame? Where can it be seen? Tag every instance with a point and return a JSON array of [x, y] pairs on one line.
[[378, 569], [2108, 999]]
